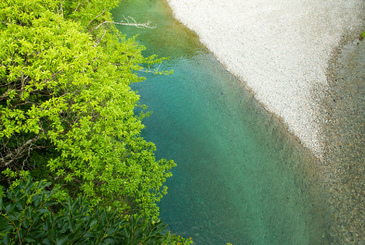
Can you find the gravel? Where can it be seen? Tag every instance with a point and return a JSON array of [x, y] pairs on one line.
[[279, 49]]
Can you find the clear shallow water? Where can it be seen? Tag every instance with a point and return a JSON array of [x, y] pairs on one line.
[[240, 175]]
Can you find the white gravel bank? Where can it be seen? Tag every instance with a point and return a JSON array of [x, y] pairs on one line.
[[279, 48]]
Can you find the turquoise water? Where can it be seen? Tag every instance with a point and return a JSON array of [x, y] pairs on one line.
[[241, 178]]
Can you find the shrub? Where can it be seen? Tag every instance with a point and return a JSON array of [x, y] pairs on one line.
[[29, 215]]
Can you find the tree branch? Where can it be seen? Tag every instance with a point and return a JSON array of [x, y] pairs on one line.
[[77, 7], [95, 18], [61, 9], [127, 22], [18, 153], [98, 42]]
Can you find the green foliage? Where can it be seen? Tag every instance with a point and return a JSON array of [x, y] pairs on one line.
[[27, 216], [67, 115], [362, 35], [88, 12], [66, 107]]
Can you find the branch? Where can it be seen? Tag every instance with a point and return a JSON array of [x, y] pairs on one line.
[[19, 152], [22, 83], [95, 18], [100, 38], [61, 9], [126, 22], [77, 7]]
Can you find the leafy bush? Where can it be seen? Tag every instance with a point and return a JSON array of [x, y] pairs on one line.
[[66, 107], [28, 215], [67, 115]]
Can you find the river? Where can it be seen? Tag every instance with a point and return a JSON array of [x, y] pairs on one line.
[[241, 177]]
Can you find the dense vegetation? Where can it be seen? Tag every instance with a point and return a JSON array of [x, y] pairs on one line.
[[67, 117]]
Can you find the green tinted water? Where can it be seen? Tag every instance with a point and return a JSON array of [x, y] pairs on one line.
[[240, 175]]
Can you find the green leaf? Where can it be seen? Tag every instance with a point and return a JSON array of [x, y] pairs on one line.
[[94, 222], [9, 208], [20, 204], [29, 239], [70, 224], [42, 210], [37, 218], [49, 203], [62, 240], [109, 240], [52, 235], [6, 239], [25, 223], [47, 241], [28, 186], [88, 234], [28, 212], [14, 215], [5, 226], [36, 199]]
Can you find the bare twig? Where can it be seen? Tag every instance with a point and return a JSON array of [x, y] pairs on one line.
[[17, 153], [61, 9], [22, 82], [97, 43], [77, 7], [127, 22], [95, 18]]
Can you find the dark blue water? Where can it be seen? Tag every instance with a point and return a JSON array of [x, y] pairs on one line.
[[241, 178]]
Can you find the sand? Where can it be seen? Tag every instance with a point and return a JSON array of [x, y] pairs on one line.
[[279, 49]]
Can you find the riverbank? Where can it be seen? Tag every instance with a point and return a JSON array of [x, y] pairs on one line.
[[345, 133], [280, 51], [301, 62]]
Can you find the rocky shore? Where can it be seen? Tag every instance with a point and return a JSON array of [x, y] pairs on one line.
[[303, 61], [279, 49], [344, 159]]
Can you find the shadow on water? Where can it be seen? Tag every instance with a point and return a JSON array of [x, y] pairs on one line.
[[169, 38], [241, 178]]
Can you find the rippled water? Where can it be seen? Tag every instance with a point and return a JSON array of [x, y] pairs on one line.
[[240, 175]]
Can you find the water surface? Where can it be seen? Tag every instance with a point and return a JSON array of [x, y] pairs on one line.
[[241, 178]]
